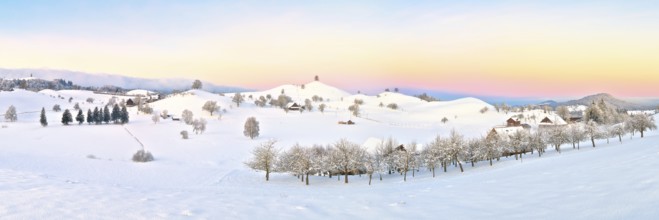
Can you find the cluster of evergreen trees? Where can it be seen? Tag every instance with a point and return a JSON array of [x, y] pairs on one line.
[[118, 115]]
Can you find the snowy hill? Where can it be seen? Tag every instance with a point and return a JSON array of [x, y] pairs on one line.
[[85, 171]]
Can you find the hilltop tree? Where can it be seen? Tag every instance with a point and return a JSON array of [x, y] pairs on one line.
[[197, 84], [264, 157], [66, 117], [80, 118], [316, 78], [42, 118], [11, 115], [251, 128], [76, 106], [210, 106]]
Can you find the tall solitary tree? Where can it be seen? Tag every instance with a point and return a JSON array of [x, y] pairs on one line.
[[197, 84], [251, 128], [42, 118]]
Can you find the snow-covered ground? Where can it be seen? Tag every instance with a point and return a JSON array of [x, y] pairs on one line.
[[85, 171]]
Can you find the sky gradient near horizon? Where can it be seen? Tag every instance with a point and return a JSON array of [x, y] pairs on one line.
[[497, 48]]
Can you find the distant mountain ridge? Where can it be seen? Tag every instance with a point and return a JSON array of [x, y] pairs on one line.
[[608, 99], [126, 82]]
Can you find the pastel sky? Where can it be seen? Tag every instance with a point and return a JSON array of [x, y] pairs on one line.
[[497, 48]]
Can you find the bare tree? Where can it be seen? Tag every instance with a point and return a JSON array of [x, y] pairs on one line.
[[264, 157], [238, 98], [210, 106], [199, 125], [321, 107], [592, 130], [251, 128]]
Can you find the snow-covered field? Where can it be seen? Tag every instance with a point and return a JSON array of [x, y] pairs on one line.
[[85, 171]]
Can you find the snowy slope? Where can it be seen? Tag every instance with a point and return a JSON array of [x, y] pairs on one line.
[[84, 171]]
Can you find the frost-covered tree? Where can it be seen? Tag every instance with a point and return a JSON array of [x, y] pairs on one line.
[[66, 117], [264, 158], [155, 118], [642, 123], [210, 107], [238, 98], [556, 136], [592, 130], [199, 125], [282, 101], [575, 134], [57, 108], [197, 84], [10, 114], [299, 161], [348, 157], [619, 131], [90, 100], [184, 134], [187, 116], [563, 112], [484, 109], [146, 109], [80, 117], [307, 105], [42, 118], [432, 154], [251, 128], [393, 106], [537, 142]]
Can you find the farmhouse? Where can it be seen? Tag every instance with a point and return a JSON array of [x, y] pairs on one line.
[[512, 122], [504, 132], [294, 107]]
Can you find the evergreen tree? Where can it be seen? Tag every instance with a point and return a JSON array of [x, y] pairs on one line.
[[66, 117], [80, 118], [90, 116], [106, 115], [124, 115], [97, 116], [42, 119], [116, 114]]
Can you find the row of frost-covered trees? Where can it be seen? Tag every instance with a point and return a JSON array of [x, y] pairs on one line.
[[345, 158]]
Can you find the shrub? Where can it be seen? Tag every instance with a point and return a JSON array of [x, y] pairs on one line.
[[484, 109], [393, 106], [142, 156]]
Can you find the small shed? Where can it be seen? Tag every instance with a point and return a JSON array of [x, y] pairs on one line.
[[295, 107], [130, 103]]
